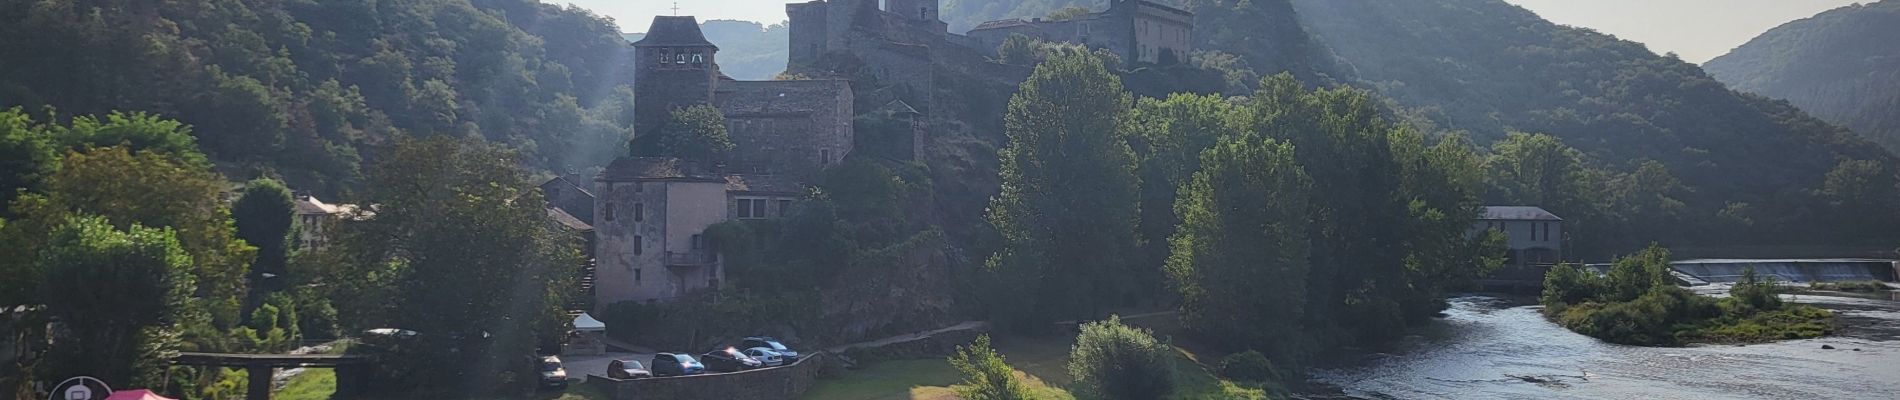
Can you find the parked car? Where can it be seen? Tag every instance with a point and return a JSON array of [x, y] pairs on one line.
[[766, 356], [671, 364], [770, 343], [627, 369], [552, 373], [729, 360]]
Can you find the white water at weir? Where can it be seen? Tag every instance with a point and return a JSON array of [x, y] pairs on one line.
[[1802, 271]]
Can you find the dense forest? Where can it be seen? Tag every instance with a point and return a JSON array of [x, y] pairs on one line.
[[310, 90], [1839, 65], [1719, 165]]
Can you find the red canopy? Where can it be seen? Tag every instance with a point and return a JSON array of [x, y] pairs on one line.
[[136, 394]]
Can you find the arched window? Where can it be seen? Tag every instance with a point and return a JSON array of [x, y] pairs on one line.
[[665, 55], [699, 58]]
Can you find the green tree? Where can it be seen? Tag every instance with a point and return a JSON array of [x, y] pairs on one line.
[[1358, 260], [118, 295], [1017, 49], [1636, 274], [26, 154], [461, 241], [986, 375], [154, 188], [1168, 137], [697, 132], [1241, 254], [1115, 361], [263, 216], [1068, 208], [1068, 13], [1863, 194]]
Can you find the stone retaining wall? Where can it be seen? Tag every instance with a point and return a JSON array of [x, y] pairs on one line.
[[786, 382]]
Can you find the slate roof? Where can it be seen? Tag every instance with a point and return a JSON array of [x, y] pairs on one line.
[[744, 183], [1517, 213], [570, 183], [999, 24], [568, 220], [674, 31], [658, 168]]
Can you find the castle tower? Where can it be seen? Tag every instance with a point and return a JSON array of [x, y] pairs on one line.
[[673, 68], [915, 10]]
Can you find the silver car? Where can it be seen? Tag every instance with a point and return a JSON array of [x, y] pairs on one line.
[[766, 355]]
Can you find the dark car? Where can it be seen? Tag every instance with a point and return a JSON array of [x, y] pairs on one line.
[[770, 343], [729, 360], [627, 369], [552, 374], [670, 364]]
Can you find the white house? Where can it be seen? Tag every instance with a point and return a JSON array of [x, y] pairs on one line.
[[1534, 236]]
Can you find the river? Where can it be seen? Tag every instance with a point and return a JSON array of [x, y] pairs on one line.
[[1495, 348]]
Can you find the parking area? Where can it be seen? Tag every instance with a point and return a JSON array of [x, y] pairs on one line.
[[579, 367]]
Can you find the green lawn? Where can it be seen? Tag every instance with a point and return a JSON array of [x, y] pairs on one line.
[[1044, 361], [312, 384]]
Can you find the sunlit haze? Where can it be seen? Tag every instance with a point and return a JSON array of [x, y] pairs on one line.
[[1698, 30]]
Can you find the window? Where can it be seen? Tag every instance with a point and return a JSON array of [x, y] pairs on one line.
[[824, 156], [665, 55], [784, 206], [607, 211], [639, 245], [699, 58], [1546, 231], [639, 212], [636, 276], [699, 242], [752, 208]]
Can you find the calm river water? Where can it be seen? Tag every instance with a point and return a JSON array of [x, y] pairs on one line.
[[1492, 348]]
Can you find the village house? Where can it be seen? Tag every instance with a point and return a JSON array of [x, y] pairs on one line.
[[314, 217], [651, 213], [1533, 236], [1139, 31]]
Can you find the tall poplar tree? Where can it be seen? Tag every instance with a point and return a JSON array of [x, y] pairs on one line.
[[1068, 208]]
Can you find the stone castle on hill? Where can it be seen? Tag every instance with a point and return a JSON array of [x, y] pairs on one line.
[[650, 214]]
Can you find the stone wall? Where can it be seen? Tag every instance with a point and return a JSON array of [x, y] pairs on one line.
[[788, 128], [787, 382]]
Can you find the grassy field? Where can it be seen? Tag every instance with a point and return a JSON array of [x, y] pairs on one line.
[[312, 384], [1043, 361]]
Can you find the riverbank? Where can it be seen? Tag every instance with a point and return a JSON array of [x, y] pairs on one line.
[[1497, 347]]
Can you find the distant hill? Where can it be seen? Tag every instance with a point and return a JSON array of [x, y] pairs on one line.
[[1842, 65], [1488, 67], [747, 50]]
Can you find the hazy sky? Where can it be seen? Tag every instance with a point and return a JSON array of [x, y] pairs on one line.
[[1696, 29]]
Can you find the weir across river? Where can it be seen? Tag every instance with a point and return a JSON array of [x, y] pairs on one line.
[[1706, 271]]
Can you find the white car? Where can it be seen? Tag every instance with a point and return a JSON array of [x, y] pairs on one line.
[[767, 356]]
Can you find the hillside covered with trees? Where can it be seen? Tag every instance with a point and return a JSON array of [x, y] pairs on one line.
[[1687, 159], [1841, 65], [311, 90]]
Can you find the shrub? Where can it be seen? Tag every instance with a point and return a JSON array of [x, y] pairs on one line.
[[986, 376], [1569, 284], [1250, 366], [1115, 361]]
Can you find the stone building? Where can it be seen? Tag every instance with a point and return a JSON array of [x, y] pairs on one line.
[[1139, 31], [1534, 236], [895, 47], [651, 213], [567, 194], [314, 218]]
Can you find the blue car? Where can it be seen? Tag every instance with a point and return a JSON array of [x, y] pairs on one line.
[[671, 364]]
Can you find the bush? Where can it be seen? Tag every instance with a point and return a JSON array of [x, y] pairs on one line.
[[1569, 284], [1115, 361], [1249, 366], [986, 376]]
